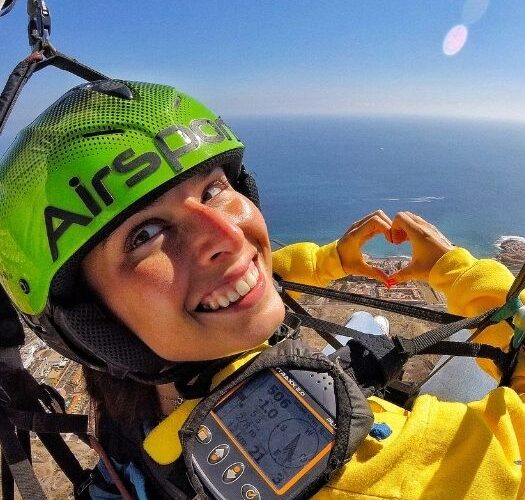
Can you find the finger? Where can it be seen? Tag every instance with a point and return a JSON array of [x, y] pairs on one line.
[[375, 214], [373, 272], [398, 236], [402, 226], [429, 229], [370, 228], [388, 221], [401, 276]]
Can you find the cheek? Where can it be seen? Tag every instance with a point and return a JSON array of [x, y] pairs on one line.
[[150, 283]]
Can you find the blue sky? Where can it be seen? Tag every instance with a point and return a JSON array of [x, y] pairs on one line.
[[290, 57]]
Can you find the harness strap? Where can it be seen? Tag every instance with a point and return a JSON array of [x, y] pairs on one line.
[[14, 85], [18, 462], [8, 483], [418, 344], [65, 63], [386, 305], [47, 422], [518, 285], [382, 347], [469, 349], [328, 337]]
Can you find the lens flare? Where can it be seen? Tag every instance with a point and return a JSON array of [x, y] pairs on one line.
[[455, 40], [474, 10]]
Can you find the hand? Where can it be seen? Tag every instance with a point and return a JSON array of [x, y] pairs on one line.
[[428, 245], [350, 244]]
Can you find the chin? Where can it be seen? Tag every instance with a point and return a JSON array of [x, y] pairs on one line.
[[272, 319]]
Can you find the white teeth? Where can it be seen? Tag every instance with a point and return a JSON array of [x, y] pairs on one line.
[[251, 279], [223, 301], [233, 296], [225, 297], [242, 287]]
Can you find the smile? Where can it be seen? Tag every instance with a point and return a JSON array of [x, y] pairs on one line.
[[226, 295]]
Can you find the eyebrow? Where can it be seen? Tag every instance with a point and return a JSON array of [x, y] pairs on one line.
[[197, 175]]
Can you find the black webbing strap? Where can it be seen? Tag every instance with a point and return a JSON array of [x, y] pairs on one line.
[[423, 344], [18, 462], [328, 337], [513, 296], [380, 345], [468, 349], [29, 406], [64, 458], [47, 422], [24, 69], [65, 63], [14, 85], [385, 305], [426, 340], [517, 286], [426, 343], [8, 483]]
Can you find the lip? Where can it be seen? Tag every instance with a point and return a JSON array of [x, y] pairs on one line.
[[248, 300], [232, 275]]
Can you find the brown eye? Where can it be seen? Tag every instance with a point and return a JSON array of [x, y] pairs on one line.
[[144, 234], [212, 190]]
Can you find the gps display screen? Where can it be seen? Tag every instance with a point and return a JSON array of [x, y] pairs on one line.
[[274, 428]]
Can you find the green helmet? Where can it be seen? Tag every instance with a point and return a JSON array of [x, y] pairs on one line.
[[73, 175]]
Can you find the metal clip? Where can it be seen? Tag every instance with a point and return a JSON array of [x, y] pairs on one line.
[[39, 27], [519, 327]]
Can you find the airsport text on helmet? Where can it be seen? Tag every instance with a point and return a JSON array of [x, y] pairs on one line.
[[59, 220]]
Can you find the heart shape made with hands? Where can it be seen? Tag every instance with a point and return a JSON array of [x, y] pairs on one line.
[[428, 246]]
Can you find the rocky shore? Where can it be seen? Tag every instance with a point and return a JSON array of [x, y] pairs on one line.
[[511, 252]]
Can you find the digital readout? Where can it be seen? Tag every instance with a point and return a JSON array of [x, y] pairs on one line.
[[278, 432]]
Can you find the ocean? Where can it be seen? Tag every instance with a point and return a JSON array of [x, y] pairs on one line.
[[317, 176]]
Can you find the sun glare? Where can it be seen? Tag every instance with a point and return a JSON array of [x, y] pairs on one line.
[[455, 40]]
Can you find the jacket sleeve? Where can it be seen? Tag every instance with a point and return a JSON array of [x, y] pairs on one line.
[[472, 286], [308, 263]]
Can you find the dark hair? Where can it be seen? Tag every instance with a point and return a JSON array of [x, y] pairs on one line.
[[123, 400]]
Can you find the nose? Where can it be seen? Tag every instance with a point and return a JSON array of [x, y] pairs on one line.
[[214, 233]]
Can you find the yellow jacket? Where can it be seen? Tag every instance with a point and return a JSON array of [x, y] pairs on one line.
[[439, 450]]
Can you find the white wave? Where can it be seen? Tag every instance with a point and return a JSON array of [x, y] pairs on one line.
[[425, 199], [503, 239], [419, 199]]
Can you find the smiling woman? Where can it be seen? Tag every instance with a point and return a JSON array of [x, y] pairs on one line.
[[200, 257]]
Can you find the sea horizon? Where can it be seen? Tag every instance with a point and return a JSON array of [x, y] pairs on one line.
[[318, 174]]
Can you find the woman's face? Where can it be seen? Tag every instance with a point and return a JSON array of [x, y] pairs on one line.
[[190, 274]]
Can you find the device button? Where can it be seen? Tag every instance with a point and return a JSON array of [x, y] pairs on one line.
[[250, 492], [218, 454], [233, 472], [204, 434]]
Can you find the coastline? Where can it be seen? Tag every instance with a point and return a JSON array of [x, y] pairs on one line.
[[511, 252]]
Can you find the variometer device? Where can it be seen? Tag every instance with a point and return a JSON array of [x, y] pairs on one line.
[[265, 437]]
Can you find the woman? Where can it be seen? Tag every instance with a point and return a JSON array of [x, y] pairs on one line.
[[129, 246]]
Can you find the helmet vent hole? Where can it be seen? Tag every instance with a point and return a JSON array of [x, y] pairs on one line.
[[103, 132]]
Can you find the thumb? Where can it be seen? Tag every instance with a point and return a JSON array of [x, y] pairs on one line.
[[405, 274]]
